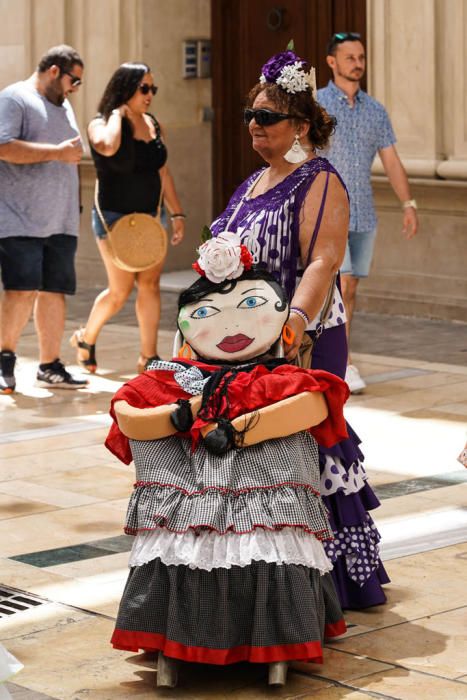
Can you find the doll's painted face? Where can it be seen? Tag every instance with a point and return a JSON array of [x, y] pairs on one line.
[[236, 325]]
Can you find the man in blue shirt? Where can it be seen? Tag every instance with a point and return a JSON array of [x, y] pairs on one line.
[[363, 129]]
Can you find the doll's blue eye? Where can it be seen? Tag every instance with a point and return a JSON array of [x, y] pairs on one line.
[[204, 312], [252, 302]]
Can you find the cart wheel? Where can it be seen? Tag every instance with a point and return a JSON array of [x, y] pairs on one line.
[[167, 675], [278, 673]]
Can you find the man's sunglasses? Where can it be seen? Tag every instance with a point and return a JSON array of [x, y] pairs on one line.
[[346, 36], [264, 117], [145, 89], [75, 81]]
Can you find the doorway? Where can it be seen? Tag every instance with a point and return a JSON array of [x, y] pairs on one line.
[[245, 33]]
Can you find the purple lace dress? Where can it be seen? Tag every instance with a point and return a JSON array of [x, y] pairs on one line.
[[269, 226]]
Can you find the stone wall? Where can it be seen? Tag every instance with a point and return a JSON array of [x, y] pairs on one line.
[[425, 276], [418, 70]]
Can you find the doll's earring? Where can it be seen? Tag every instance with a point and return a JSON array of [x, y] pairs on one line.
[[185, 351], [288, 335], [296, 154]]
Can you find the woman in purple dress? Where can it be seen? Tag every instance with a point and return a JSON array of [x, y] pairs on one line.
[[293, 216]]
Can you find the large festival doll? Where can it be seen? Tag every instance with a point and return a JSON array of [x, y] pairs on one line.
[[228, 563]]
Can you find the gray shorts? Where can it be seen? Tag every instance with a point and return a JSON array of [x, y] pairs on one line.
[[358, 253]]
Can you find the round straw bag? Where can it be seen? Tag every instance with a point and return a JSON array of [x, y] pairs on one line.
[[137, 241]]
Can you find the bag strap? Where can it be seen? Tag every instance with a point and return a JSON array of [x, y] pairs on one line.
[[318, 221], [326, 310], [99, 211]]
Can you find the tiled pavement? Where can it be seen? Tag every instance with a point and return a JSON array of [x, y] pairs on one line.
[[64, 558]]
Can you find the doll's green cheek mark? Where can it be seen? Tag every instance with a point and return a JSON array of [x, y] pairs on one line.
[[184, 325]]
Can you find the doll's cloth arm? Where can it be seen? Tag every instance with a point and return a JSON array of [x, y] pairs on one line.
[[280, 419], [147, 390], [251, 391], [149, 423]]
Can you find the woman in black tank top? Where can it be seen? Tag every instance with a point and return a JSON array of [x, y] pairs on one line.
[[131, 162]]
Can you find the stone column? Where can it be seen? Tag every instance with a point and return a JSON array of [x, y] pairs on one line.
[[452, 15], [15, 41], [403, 76], [418, 69]]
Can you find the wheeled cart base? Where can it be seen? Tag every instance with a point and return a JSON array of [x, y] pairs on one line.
[[167, 672], [278, 673]]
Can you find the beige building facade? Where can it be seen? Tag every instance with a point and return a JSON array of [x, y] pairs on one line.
[[417, 69]]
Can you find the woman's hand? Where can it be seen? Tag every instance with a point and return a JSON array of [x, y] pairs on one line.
[[178, 231], [297, 325], [123, 110], [106, 136]]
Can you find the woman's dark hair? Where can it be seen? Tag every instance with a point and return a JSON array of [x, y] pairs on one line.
[[303, 106], [202, 287], [121, 86]]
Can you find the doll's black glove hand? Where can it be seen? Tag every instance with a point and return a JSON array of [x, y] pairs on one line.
[[182, 417], [221, 439]]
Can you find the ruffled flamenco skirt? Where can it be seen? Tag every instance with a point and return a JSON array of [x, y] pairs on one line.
[[228, 563], [358, 572]]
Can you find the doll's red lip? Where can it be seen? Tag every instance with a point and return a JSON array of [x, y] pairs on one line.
[[234, 343]]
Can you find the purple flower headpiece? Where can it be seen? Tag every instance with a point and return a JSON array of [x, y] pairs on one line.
[[287, 70]]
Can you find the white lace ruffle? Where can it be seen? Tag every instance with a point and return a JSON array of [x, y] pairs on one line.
[[208, 550], [335, 477]]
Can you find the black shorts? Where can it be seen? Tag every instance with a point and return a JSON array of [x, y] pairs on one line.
[[43, 264]]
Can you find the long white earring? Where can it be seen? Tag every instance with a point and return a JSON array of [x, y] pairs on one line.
[[295, 154]]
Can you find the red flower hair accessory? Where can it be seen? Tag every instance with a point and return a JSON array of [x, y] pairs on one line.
[[223, 258], [246, 257]]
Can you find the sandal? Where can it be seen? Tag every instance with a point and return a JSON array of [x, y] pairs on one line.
[[76, 341], [144, 362]]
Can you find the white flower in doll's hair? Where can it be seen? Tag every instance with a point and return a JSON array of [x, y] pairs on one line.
[[221, 258]]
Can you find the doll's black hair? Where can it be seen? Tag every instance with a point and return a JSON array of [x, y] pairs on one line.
[[202, 287]]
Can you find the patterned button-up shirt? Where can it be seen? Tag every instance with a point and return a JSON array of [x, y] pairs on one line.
[[361, 131]]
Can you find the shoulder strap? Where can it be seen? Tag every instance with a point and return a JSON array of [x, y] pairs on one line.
[[318, 220], [98, 209], [155, 122]]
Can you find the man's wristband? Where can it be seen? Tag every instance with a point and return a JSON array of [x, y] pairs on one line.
[[409, 204], [180, 215]]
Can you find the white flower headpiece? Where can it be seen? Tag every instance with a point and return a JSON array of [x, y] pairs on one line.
[[223, 258], [287, 70]]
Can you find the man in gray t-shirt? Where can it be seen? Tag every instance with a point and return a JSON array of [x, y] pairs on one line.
[[40, 148]]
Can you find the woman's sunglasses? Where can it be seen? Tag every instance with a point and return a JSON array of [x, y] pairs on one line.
[[264, 117], [145, 89]]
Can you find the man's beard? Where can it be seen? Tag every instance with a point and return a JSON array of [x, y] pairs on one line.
[[349, 76], [54, 92]]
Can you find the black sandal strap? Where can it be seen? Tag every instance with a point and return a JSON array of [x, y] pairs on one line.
[[91, 350]]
